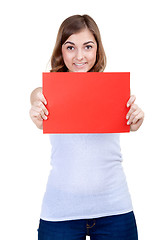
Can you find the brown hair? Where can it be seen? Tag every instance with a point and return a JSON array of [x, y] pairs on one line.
[[69, 26]]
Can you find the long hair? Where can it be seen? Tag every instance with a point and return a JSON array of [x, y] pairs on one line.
[[72, 25]]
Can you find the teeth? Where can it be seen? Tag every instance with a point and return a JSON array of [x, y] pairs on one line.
[[79, 64]]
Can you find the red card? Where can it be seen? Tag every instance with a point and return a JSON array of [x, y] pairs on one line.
[[86, 102]]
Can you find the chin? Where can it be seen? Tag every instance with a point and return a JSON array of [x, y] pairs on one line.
[[81, 70]]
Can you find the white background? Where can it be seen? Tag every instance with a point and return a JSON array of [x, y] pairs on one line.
[[130, 35]]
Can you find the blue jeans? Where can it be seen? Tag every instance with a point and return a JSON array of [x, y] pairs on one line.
[[116, 227]]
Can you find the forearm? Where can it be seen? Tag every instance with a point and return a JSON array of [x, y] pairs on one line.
[[34, 96]]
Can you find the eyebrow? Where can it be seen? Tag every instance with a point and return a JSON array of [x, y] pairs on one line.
[[74, 44]]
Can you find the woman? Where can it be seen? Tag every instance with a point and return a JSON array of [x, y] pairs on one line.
[[86, 193]]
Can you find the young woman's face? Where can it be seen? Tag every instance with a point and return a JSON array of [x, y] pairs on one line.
[[79, 51]]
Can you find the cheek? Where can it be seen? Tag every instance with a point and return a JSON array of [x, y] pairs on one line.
[[66, 57], [92, 56]]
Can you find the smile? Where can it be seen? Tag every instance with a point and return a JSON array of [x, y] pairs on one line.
[[79, 64]]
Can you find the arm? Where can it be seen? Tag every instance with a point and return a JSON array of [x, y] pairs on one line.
[[38, 110]]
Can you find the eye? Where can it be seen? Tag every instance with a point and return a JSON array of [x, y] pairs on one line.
[[70, 48], [88, 47]]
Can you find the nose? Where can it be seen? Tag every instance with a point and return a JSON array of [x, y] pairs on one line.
[[79, 55]]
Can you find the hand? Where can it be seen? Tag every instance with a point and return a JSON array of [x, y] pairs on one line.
[[135, 115], [38, 110]]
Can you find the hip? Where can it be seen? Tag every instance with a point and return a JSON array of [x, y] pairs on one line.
[[115, 227]]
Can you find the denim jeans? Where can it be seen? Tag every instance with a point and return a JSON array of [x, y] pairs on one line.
[[116, 227]]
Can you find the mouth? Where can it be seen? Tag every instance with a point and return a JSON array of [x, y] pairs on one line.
[[79, 65]]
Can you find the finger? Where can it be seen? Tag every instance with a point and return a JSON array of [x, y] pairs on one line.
[[134, 116], [35, 113], [133, 108], [138, 117], [42, 98], [135, 126], [131, 100], [39, 104], [38, 113]]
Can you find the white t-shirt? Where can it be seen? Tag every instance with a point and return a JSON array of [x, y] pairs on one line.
[[87, 178]]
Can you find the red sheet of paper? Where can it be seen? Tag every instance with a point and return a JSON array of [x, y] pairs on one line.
[[88, 102]]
